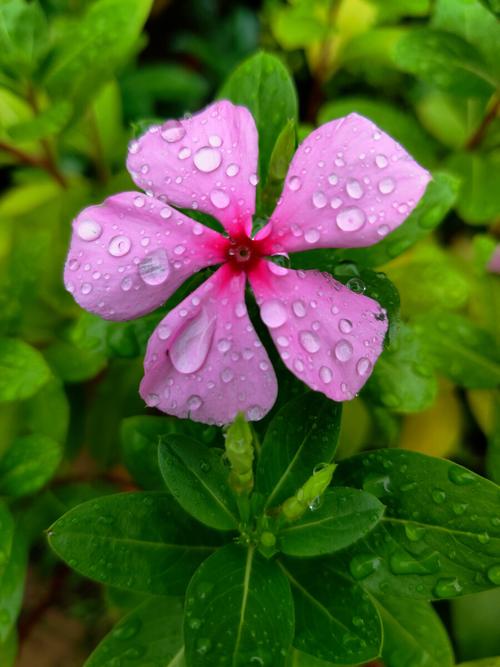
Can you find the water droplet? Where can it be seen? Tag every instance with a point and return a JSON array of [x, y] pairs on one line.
[[381, 161], [164, 332], [333, 179], [299, 308], [73, 265], [354, 189], [438, 496], [86, 288], [336, 202], [165, 213], [127, 630], [363, 565], [255, 413], [119, 246], [194, 402], [312, 236], [155, 269], [194, 623], [172, 131], [494, 574], [356, 285], [350, 219], [126, 283], [414, 533], [343, 350], [309, 341], [191, 347], [224, 345], [207, 159], [447, 588], [386, 186], [232, 170], [294, 183], [253, 180], [152, 400], [273, 313], [383, 230], [345, 326], [325, 374], [461, 476], [203, 646], [184, 153], [315, 503], [139, 201], [402, 562], [319, 199], [89, 230], [364, 366], [215, 141], [219, 199], [227, 375]]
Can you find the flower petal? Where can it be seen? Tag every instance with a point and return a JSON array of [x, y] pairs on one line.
[[206, 162], [129, 254], [348, 185], [328, 336], [205, 361]]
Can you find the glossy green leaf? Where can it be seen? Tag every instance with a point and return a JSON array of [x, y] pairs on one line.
[[460, 350], [28, 464], [479, 198], [474, 624], [445, 60], [239, 611], [47, 412], [335, 620], [413, 632], [12, 585], [149, 635], [73, 364], [283, 151], [78, 68], [344, 516], [264, 86], [303, 433], [6, 535], [140, 437], [440, 535], [403, 379], [198, 480], [49, 122], [138, 541], [23, 370], [23, 36]]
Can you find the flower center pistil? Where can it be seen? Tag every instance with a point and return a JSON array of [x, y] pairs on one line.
[[242, 253]]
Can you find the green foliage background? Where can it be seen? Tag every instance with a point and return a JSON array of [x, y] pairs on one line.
[[78, 80]]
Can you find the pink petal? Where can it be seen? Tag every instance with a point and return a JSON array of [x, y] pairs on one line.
[[206, 162], [348, 185], [205, 361], [129, 254], [328, 336]]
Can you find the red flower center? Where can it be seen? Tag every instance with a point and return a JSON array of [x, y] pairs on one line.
[[243, 253]]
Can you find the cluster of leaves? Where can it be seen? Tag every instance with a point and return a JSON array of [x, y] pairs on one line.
[[394, 533]]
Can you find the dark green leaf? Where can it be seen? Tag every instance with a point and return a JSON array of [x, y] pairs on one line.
[[28, 464], [460, 350], [140, 437], [303, 433], [335, 620], [47, 412], [8, 650], [12, 585], [138, 541], [239, 611], [197, 478], [22, 370], [440, 535], [487, 662], [73, 364], [474, 624], [344, 516], [6, 535], [263, 85], [444, 60], [479, 197], [23, 36], [150, 635], [283, 151]]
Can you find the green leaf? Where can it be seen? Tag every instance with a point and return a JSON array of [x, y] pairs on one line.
[[28, 464], [283, 151], [460, 350], [402, 378], [344, 516], [137, 541], [47, 412], [23, 36], [8, 650], [151, 634], [239, 611], [335, 620], [413, 633], [474, 624], [303, 433], [445, 60], [78, 68], [12, 585], [487, 662], [298, 26], [198, 480], [6, 535], [23, 370], [49, 122], [140, 437], [479, 197], [264, 86], [492, 5], [73, 364], [439, 537], [397, 123]]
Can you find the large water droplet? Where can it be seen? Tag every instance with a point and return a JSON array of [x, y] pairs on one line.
[[207, 159], [402, 562], [386, 186], [191, 347], [86, 288], [194, 402], [343, 350], [309, 341], [294, 183], [89, 230], [325, 374], [119, 246], [155, 269], [363, 565], [461, 476], [273, 313], [345, 326], [381, 161], [354, 189], [494, 574], [299, 308], [312, 236], [172, 131], [447, 588], [350, 219], [363, 367], [232, 170], [219, 199]]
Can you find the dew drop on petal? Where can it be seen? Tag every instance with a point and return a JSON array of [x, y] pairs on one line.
[[191, 346], [254, 179], [73, 265], [164, 332], [363, 367], [345, 326], [89, 230], [312, 236], [172, 131], [383, 230], [166, 213], [152, 400], [155, 268], [119, 245], [354, 189], [319, 199], [273, 313], [227, 375], [126, 283], [224, 345], [139, 201], [232, 170], [215, 141], [219, 199], [299, 309], [350, 219], [386, 186], [381, 161], [184, 153], [336, 202], [207, 159], [309, 341], [343, 350], [86, 288], [276, 269], [254, 413], [294, 183], [333, 179], [194, 402], [325, 374]]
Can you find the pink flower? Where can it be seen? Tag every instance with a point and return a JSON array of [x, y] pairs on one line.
[[348, 185]]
